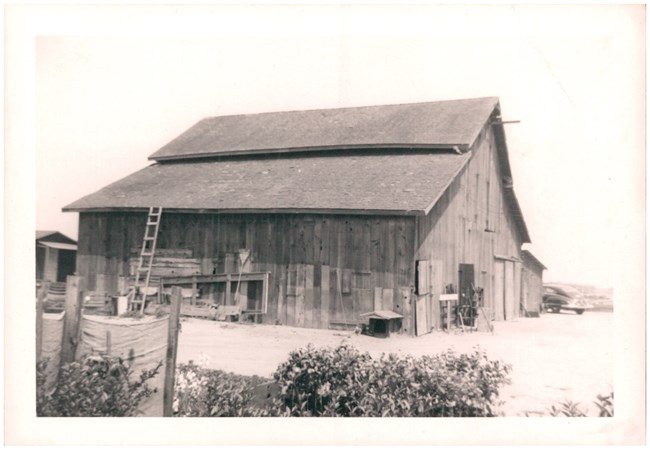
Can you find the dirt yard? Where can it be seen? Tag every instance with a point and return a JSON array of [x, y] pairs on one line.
[[554, 358]]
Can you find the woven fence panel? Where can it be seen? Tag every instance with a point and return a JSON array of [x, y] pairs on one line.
[[143, 342]]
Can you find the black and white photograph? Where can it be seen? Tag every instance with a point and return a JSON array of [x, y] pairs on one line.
[[413, 224]]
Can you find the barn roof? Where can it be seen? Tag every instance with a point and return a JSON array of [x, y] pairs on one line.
[[390, 182], [392, 159], [442, 124]]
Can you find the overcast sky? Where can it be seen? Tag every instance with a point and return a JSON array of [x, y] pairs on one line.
[[113, 85]]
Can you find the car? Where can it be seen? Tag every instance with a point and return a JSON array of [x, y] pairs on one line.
[[557, 298]]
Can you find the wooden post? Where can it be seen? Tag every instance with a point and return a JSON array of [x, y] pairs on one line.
[[42, 293], [72, 319], [108, 342], [172, 347]]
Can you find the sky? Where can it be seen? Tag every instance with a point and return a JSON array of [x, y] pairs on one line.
[[115, 86]]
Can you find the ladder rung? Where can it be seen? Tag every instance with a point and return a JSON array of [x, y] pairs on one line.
[[143, 269], [146, 254], [153, 223], [149, 238]]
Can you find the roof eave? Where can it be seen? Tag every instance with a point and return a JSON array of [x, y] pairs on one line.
[[319, 211]]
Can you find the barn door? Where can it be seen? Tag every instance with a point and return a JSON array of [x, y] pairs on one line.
[[499, 290], [423, 307], [517, 289], [510, 290]]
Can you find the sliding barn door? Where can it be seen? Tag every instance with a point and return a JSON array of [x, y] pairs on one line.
[[499, 290]]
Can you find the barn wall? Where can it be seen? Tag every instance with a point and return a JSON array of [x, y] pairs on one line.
[[470, 224], [325, 269]]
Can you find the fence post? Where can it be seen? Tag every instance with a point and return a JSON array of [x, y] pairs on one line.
[[72, 318], [172, 347], [41, 294]]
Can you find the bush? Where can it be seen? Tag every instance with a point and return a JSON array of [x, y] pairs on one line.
[[320, 382], [200, 392], [92, 387], [344, 382]]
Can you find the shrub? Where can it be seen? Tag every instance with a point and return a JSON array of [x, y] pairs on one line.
[[344, 382], [201, 392], [321, 382], [92, 387]]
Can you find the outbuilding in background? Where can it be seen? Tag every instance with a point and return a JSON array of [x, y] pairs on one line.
[[532, 287], [56, 256]]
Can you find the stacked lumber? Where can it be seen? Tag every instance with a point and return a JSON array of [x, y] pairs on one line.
[[163, 266]]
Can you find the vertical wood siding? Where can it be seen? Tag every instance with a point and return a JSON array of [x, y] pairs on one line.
[[470, 224], [324, 268]]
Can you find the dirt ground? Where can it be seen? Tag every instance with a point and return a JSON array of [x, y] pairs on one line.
[[554, 358]]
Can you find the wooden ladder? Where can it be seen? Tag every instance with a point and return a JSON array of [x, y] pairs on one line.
[[138, 293]]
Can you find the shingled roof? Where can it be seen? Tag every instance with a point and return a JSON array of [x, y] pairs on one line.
[[386, 183], [443, 124], [394, 159]]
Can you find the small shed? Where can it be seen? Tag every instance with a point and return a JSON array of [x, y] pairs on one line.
[[382, 323], [56, 256], [532, 289]]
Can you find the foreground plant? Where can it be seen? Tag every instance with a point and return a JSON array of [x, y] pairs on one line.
[[202, 392], [92, 387], [604, 403], [344, 382]]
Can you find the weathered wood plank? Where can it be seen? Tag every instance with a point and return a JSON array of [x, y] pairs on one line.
[[309, 296], [407, 310], [316, 312], [300, 295], [366, 303], [346, 282], [325, 297], [281, 301], [387, 299], [291, 295], [335, 296], [377, 305]]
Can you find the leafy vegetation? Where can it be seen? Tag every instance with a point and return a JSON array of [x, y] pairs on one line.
[[605, 404], [92, 387], [201, 392], [342, 382]]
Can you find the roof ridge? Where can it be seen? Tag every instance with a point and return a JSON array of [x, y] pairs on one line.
[[337, 108], [408, 125]]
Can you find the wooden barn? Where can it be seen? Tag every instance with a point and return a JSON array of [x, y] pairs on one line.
[[55, 256], [532, 289], [313, 218]]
